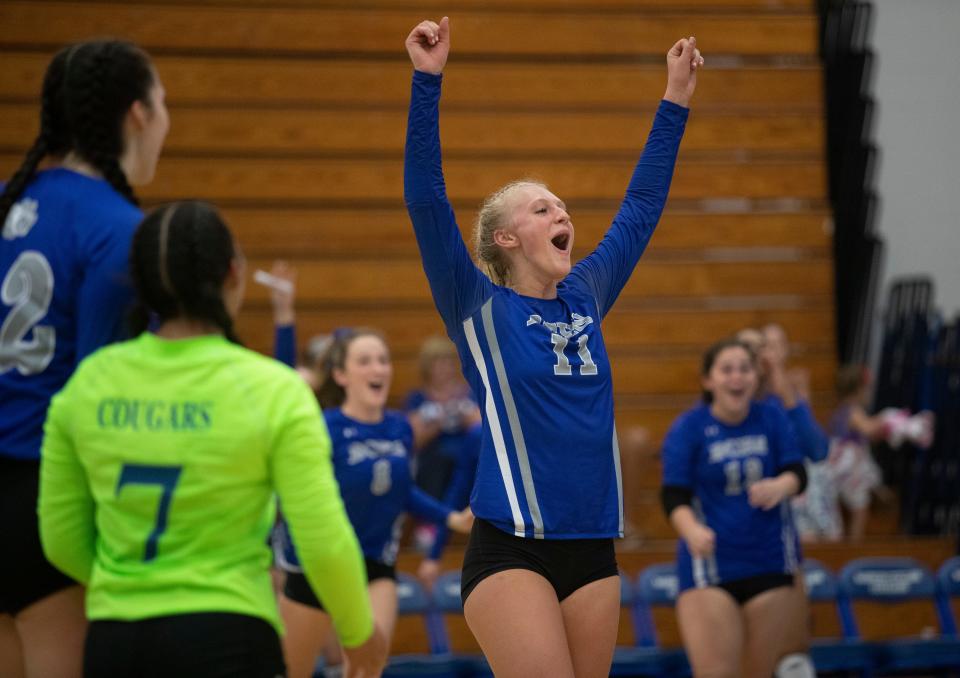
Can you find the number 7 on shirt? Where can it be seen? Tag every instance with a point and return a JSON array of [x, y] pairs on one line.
[[164, 476]]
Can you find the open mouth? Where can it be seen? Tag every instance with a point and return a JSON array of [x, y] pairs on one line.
[[561, 241], [376, 386]]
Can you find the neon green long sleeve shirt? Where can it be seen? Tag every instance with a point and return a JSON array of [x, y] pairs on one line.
[[159, 465]]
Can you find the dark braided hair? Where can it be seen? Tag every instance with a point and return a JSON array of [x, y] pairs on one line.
[[52, 139], [87, 90], [103, 79], [179, 259]]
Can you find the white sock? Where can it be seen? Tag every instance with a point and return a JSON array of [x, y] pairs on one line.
[[797, 665]]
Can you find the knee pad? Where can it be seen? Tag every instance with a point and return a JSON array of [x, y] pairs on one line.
[[797, 665]]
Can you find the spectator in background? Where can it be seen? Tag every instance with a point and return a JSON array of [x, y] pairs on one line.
[[854, 474], [282, 283], [441, 413]]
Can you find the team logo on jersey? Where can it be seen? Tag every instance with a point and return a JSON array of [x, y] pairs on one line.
[[566, 330], [362, 450], [20, 219], [737, 448]]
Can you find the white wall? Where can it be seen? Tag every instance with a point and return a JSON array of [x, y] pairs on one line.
[[917, 128]]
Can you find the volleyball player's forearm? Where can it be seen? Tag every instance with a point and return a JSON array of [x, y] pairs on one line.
[[333, 563], [455, 283], [683, 519], [609, 267], [65, 506], [423, 170], [326, 543], [813, 440], [285, 344]]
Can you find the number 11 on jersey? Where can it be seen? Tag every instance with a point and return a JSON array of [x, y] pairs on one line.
[[562, 368]]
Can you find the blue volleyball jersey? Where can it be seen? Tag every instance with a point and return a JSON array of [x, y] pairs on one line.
[[549, 465], [64, 292], [372, 465], [718, 462]]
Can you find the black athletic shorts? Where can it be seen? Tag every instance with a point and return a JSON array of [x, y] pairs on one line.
[[568, 564], [743, 590], [298, 589], [205, 645], [25, 575]]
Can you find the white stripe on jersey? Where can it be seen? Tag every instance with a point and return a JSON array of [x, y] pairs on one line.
[[791, 561], [616, 465], [699, 576], [496, 433], [705, 571], [712, 573], [523, 461]]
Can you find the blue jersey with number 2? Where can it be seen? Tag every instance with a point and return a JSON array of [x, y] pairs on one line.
[[64, 292]]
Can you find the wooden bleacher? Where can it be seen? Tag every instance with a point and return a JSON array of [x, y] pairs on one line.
[[291, 115]]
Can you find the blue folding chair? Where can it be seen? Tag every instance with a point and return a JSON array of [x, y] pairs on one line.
[[412, 599], [891, 581], [834, 654], [656, 586]]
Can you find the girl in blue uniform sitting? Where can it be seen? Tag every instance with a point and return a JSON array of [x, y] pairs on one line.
[[372, 447], [729, 466]]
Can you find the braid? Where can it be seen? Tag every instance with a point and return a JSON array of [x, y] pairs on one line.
[[199, 250], [209, 273], [18, 182], [96, 121], [53, 137], [103, 81], [147, 279]]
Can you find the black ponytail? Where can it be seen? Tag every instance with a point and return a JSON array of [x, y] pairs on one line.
[[179, 260]]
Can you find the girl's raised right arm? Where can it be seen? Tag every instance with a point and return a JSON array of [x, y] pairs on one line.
[[458, 287]]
